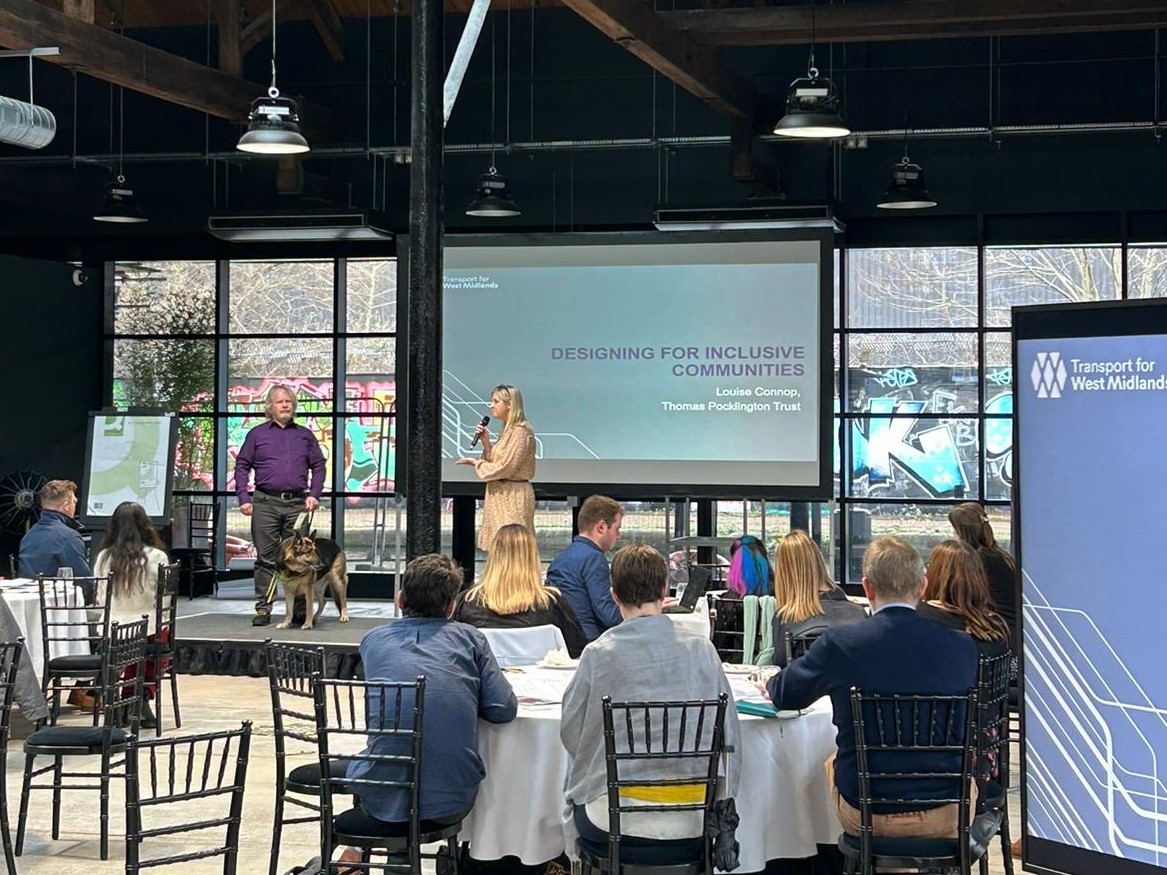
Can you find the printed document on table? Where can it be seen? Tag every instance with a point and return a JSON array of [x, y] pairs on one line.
[[535, 690]]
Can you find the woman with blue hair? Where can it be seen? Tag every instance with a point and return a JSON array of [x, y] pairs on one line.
[[750, 572]]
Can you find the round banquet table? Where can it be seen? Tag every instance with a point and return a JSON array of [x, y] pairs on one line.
[[782, 799], [698, 620], [23, 599]]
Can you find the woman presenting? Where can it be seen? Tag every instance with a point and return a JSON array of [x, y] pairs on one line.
[[506, 466]]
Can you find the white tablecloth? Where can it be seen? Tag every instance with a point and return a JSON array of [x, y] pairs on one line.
[[24, 602], [698, 621], [782, 799]]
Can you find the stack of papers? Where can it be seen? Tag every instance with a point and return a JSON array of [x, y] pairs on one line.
[[533, 689]]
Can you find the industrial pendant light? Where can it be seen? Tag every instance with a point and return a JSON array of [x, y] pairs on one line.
[[812, 105], [492, 200], [119, 206], [905, 188], [273, 125], [812, 109]]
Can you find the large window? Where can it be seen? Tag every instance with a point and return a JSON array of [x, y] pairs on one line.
[[324, 328], [923, 386], [926, 402]]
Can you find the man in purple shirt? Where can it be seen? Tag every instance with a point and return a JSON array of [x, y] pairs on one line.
[[281, 453]]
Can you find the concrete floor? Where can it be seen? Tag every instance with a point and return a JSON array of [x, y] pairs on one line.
[[208, 704]]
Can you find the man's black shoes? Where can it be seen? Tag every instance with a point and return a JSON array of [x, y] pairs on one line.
[[261, 619]]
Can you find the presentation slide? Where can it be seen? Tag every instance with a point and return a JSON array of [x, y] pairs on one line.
[[652, 364], [1092, 420], [130, 459]]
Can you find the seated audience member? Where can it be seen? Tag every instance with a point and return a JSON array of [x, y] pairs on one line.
[[54, 542], [972, 527], [646, 658], [749, 568], [580, 572], [895, 651], [957, 596], [463, 684], [808, 600], [511, 592], [130, 555]]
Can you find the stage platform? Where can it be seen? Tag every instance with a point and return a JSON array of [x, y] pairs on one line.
[[215, 636]]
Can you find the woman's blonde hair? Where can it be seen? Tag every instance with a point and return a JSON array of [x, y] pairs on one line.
[[512, 581], [956, 579], [800, 574], [514, 398]]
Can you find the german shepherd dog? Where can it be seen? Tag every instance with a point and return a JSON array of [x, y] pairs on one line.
[[307, 566]]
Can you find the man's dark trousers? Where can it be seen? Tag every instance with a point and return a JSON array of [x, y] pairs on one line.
[[273, 519]]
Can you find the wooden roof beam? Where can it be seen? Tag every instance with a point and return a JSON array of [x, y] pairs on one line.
[[103, 54], [255, 31], [696, 68], [912, 20], [326, 20]]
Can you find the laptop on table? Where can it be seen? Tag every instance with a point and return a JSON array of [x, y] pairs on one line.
[[699, 579]]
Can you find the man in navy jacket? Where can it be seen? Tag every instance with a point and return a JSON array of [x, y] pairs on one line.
[[894, 651], [581, 571], [54, 542]]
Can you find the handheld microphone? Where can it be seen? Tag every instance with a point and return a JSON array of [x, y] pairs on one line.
[[485, 421]]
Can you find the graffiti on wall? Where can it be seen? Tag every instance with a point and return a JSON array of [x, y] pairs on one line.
[[368, 441], [919, 439]]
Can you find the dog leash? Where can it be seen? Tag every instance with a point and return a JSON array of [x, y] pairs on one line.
[[304, 522]]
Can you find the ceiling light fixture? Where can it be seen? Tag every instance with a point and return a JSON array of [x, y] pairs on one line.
[[812, 109], [119, 206], [812, 105], [492, 200], [273, 125], [905, 188]]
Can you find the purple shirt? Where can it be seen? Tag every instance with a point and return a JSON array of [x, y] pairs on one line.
[[281, 457]]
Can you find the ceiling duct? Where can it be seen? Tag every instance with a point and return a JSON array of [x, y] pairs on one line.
[[739, 217], [25, 124], [302, 226]]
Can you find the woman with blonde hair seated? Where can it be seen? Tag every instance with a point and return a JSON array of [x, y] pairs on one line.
[[957, 596], [511, 592], [808, 600]]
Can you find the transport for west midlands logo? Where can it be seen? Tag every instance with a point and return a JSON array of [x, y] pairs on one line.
[[1048, 375]]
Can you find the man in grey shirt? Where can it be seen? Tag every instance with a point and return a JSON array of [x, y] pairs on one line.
[[647, 657]]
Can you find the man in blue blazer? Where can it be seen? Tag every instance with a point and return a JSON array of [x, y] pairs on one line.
[[894, 651]]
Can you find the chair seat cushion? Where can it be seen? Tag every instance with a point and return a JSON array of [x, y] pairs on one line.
[[356, 824], [78, 662], [85, 739], [306, 778], [665, 852], [894, 851]]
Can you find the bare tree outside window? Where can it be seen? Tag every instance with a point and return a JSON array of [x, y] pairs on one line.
[[1147, 272], [172, 371], [912, 288], [281, 297], [1048, 275]]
